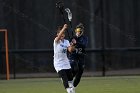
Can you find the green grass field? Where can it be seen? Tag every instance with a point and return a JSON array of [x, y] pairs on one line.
[[122, 84]]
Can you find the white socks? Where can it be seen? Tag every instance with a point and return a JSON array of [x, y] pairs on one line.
[[71, 88], [70, 83]]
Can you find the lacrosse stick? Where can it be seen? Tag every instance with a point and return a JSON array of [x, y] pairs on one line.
[[60, 6], [70, 18]]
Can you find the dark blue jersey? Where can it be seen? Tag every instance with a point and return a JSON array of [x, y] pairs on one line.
[[81, 44]]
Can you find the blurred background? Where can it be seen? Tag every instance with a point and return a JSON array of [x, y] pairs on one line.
[[112, 27]]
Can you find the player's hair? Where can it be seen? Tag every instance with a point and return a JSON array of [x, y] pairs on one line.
[[58, 30], [80, 25]]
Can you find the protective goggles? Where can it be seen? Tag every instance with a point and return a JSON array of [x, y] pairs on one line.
[[78, 30]]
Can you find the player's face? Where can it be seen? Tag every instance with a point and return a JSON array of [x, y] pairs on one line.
[[78, 33], [62, 36]]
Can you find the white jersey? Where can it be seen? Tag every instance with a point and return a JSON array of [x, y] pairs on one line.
[[61, 60]]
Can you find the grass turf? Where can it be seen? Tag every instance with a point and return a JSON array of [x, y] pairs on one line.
[[122, 84]]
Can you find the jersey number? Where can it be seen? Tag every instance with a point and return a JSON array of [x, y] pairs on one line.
[[64, 51], [79, 50]]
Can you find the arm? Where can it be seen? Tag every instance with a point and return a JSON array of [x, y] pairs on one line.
[[71, 48], [60, 33]]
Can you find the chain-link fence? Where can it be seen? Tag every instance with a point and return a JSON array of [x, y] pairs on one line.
[[112, 27]]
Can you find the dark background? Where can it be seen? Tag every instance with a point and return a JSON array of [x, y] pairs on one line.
[[109, 24]]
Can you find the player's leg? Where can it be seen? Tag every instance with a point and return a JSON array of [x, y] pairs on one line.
[[63, 75], [70, 77], [74, 67], [78, 76], [70, 80]]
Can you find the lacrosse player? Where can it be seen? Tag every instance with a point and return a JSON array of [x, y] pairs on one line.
[[77, 57], [61, 61]]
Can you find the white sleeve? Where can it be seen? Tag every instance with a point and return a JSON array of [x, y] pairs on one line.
[[55, 45]]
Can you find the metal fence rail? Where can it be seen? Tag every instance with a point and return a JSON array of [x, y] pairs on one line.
[[99, 53]]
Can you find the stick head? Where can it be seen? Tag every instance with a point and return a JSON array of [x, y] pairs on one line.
[[69, 14]]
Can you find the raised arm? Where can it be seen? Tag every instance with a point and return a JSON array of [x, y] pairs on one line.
[[59, 34]]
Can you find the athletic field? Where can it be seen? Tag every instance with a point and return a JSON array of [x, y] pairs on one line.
[[119, 84]]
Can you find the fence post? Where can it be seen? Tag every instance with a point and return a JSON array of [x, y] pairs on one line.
[[103, 39]]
